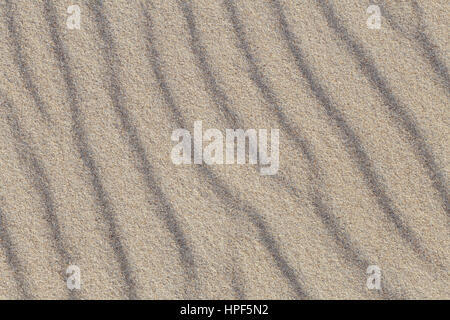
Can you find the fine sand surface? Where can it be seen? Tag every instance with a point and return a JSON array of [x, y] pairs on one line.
[[86, 176]]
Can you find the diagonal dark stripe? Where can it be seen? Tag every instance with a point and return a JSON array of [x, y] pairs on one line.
[[38, 178], [426, 45], [21, 60], [87, 155], [350, 251], [166, 211], [218, 186], [397, 110], [350, 139], [12, 258]]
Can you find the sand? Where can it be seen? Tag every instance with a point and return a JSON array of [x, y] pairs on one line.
[[87, 179]]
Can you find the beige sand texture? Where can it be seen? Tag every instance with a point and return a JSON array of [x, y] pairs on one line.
[[86, 176]]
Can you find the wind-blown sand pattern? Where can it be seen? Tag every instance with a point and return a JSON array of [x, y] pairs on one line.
[[86, 176]]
